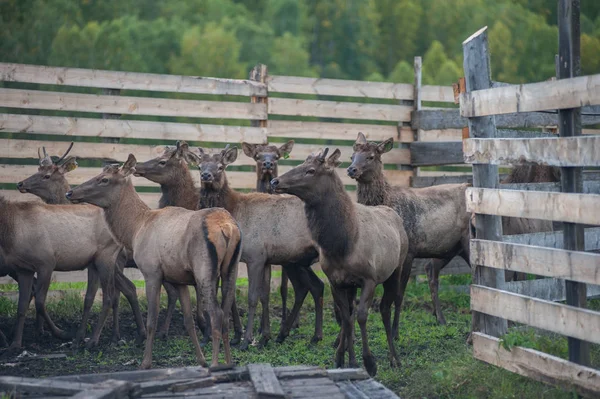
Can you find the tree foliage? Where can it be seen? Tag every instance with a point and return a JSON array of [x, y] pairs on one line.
[[353, 39]]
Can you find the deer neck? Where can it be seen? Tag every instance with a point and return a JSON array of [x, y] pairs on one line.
[[180, 191], [222, 197], [332, 220], [57, 196], [263, 181], [126, 215], [373, 191]]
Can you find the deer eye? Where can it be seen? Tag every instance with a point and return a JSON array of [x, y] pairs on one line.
[[220, 167], [104, 180], [162, 163], [371, 157], [310, 172], [46, 177]]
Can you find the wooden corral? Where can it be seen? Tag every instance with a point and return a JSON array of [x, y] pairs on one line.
[[251, 381], [559, 255]]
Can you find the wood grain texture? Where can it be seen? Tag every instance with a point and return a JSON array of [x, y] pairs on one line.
[[337, 131], [265, 381]]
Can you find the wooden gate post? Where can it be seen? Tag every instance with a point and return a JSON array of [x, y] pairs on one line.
[[488, 227], [571, 181], [259, 74]]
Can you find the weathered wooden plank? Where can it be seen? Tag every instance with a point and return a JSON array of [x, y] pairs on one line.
[[549, 289], [138, 375], [431, 178], [337, 131], [265, 381], [429, 119], [558, 151], [439, 135], [169, 131], [456, 266], [61, 101], [555, 94], [110, 389], [561, 207], [537, 365], [554, 239], [339, 87], [128, 80], [374, 389], [440, 153], [300, 372], [577, 266], [47, 387], [334, 109], [589, 187], [194, 384], [437, 93], [347, 374], [562, 319]]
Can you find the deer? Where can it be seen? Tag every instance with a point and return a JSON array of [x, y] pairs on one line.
[[174, 244], [50, 184], [435, 218], [37, 238], [266, 157], [359, 247], [275, 232], [171, 171]]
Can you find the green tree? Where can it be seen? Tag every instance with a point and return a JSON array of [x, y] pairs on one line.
[[402, 73], [290, 58]]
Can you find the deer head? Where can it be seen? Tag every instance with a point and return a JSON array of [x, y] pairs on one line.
[[104, 189], [266, 156], [366, 159], [49, 182], [310, 179], [166, 167], [212, 166]]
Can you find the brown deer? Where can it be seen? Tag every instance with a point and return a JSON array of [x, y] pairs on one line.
[[37, 238], [171, 171], [275, 232], [359, 247], [50, 184], [267, 158], [435, 218], [178, 245]]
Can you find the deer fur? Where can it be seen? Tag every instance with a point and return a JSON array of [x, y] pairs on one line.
[[174, 244], [171, 171], [359, 247], [435, 218], [275, 232], [40, 238], [50, 184]]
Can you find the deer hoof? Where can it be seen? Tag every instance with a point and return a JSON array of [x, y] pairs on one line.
[[146, 365], [394, 362], [236, 340], [91, 344], [441, 320], [280, 338], [370, 365], [315, 339], [244, 345]]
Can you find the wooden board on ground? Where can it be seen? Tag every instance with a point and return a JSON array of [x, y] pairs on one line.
[[265, 381]]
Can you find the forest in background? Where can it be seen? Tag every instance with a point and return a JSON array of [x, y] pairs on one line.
[[349, 39]]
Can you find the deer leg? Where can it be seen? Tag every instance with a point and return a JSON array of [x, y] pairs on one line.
[[255, 279], [433, 268], [300, 292], [202, 317], [188, 321], [404, 276], [25, 281], [264, 300], [106, 271], [341, 299], [362, 314], [90, 294], [351, 293], [390, 291], [153, 294], [317, 290], [44, 276], [171, 302], [3, 341], [237, 321], [124, 285], [283, 290], [227, 303]]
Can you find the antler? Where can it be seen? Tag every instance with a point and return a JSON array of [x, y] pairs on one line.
[[45, 160], [65, 154], [324, 154]]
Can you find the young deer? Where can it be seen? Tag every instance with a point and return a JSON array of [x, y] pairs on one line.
[[435, 218], [267, 157], [359, 247], [275, 232], [50, 184], [171, 171], [178, 245]]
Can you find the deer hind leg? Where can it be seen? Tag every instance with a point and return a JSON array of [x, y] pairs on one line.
[[390, 287], [90, 295], [294, 272], [264, 300], [172, 295], [317, 290], [44, 275], [283, 291], [153, 283], [25, 280], [362, 314], [433, 268], [404, 276], [255, 279], [227, 303], [237, 322], [188, 321], [125, 286], [106, 271]]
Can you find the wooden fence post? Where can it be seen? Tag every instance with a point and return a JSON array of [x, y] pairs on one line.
[[259, 74], [569, 124], [488, 227]]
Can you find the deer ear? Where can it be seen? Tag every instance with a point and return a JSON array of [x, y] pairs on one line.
[[67, 166], [284, 150], [249, 149], [361, 139], [385, 146], [129, 165], [334, 159], [181, 148], [229, 156], [190, 157]]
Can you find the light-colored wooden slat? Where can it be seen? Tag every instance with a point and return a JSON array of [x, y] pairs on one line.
[[440, 135], [537, 365], [60, 101], [151, 199], [10, 148], [590, 131], [437, 93], [555, 317], [556, 94], [170, 131], [334, 109], [561, 207], [557, 151], [339, 87], [128, 80], [577, 266], [555, 239], [338, 131]]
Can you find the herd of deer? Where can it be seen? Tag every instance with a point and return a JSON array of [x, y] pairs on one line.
[[197, 238]]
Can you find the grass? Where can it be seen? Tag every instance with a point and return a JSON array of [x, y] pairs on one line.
[[436, 362]]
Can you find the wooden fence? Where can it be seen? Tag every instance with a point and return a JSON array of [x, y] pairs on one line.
[[491, 302]]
